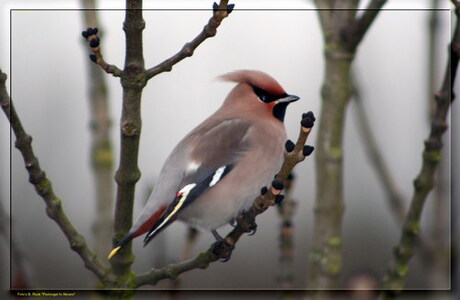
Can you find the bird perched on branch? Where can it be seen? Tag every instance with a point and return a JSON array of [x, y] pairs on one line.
[[217, 170]]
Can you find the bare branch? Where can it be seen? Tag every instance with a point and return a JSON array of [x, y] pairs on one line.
[[133, 81], [395, 276], [209, 30], [246, 221], [43, 187]]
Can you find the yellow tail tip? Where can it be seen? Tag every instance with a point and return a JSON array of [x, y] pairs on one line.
[[114, 251]]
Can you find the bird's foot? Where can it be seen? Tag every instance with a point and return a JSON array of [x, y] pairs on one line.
[[221, 247], [223, 250], [252, 228], [248, 224]]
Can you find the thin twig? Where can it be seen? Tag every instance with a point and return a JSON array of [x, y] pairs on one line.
[[43, 187], [94, 43], [245, 221], [395, 276], [209, 30]]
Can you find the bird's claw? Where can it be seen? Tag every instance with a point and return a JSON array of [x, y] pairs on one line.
[[252, 228], [249, 226], [223, 250]]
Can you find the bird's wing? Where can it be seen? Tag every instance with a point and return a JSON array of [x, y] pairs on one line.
[[213, 153], [185, 197]]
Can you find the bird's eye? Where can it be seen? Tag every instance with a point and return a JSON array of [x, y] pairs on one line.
[[262, 94]]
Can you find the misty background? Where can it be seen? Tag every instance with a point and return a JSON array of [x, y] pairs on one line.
[[47, 69]]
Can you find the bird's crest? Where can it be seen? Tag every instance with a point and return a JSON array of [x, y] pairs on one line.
[[255, 78]]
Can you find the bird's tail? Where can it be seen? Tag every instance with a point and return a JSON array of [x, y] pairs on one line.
[[120, 245]]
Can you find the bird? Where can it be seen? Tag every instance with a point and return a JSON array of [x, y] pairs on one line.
[[217, 170]]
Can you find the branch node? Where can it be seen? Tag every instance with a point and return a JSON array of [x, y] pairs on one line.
[[129, 129], [188, 50]]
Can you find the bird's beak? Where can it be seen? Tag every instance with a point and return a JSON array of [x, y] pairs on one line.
[[288, 99]]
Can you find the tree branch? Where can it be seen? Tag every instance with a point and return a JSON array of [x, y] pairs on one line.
[[133, 81], [221, 11], [395, 276], [246, 221], [43, 187], [91, 36]]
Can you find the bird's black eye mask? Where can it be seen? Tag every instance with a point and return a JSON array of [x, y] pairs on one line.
[[265, 96]]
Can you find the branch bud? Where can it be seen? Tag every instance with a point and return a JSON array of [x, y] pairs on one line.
[[289, 146], [307, 150], [263, 190], [230, 8], [215, 7], [307, 122], [277, 187], [279, 198], [93, 58], [309, 115]]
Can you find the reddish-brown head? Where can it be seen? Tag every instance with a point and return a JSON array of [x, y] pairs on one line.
[[263, 91]]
